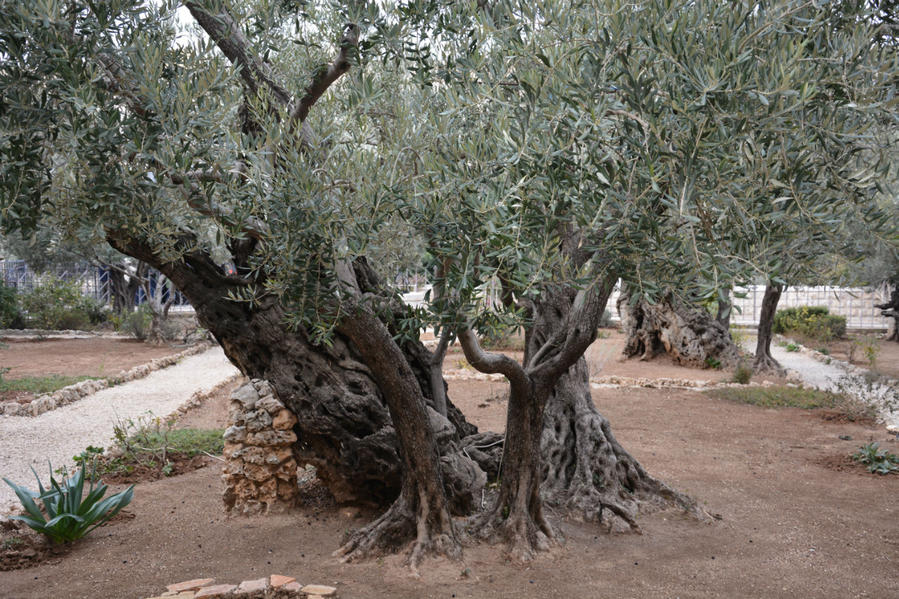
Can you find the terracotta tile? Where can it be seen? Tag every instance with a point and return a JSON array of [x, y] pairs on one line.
[[279, 580], [219, 590], [190, 585]]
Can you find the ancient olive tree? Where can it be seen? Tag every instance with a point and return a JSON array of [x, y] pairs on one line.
[[551, 149]]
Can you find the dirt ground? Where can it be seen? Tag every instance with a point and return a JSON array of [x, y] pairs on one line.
[[886, 358], [95, 356], [797, 519]]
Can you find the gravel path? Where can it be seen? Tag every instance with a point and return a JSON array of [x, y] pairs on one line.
[[62, 433]]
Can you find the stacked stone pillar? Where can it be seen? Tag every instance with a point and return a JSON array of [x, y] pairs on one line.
[[261, 470]]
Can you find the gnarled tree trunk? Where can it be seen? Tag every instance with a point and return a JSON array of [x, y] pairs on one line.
[[688, 334], [763, 358], [585, 471], [344, 426]]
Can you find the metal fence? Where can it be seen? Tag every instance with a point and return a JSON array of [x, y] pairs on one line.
[[93, 280], [855, 303]]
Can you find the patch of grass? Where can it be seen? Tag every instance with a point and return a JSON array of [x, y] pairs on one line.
[[11, 543], [791, 347], [778, 397], [41, 384], [192, 441], [148, 448]]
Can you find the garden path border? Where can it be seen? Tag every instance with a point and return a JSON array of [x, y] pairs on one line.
[[50, 401]]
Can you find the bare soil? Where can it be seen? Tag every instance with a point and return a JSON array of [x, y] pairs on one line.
[[886, 359], [798, 518], [98, 357]]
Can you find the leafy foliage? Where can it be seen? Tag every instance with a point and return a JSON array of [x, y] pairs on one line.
[[59, 304], [68, 513], [877, 460], [10, 315], [814, 322]]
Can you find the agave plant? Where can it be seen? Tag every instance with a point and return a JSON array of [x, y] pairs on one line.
[[70, 514], [877, 460]]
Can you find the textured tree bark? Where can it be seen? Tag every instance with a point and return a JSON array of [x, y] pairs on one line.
[[421, 511], [586, 473], [725, 309], [581, 469], [688, 334], [344, 426], [890, 309], [516, 517], [763, 359]]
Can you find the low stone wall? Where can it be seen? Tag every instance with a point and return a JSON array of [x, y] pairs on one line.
[[261, 470]]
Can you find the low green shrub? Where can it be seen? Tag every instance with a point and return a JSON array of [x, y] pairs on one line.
[[10, 314], [137, 323], [814, 322], [742, 373], [58, 304], [68, 513]]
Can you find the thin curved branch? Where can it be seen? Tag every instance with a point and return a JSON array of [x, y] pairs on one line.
[[489, 362], [327, 75]]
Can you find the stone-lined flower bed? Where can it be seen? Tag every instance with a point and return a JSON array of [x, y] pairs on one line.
[[72, 393], [275, 586]]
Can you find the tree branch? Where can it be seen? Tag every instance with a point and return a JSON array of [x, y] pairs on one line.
[[563, 349], [327, 75], [215, 20], [489, 362]]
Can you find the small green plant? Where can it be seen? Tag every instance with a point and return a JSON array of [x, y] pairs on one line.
[[877, 460], [743, 373], [869, 348], [823, 350], [713, 363], [90, 454], [68, 513], [791, 347]]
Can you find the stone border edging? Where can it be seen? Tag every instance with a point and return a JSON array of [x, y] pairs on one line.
[[276, 586], [198, 397], [72, 393], [42, 334]]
